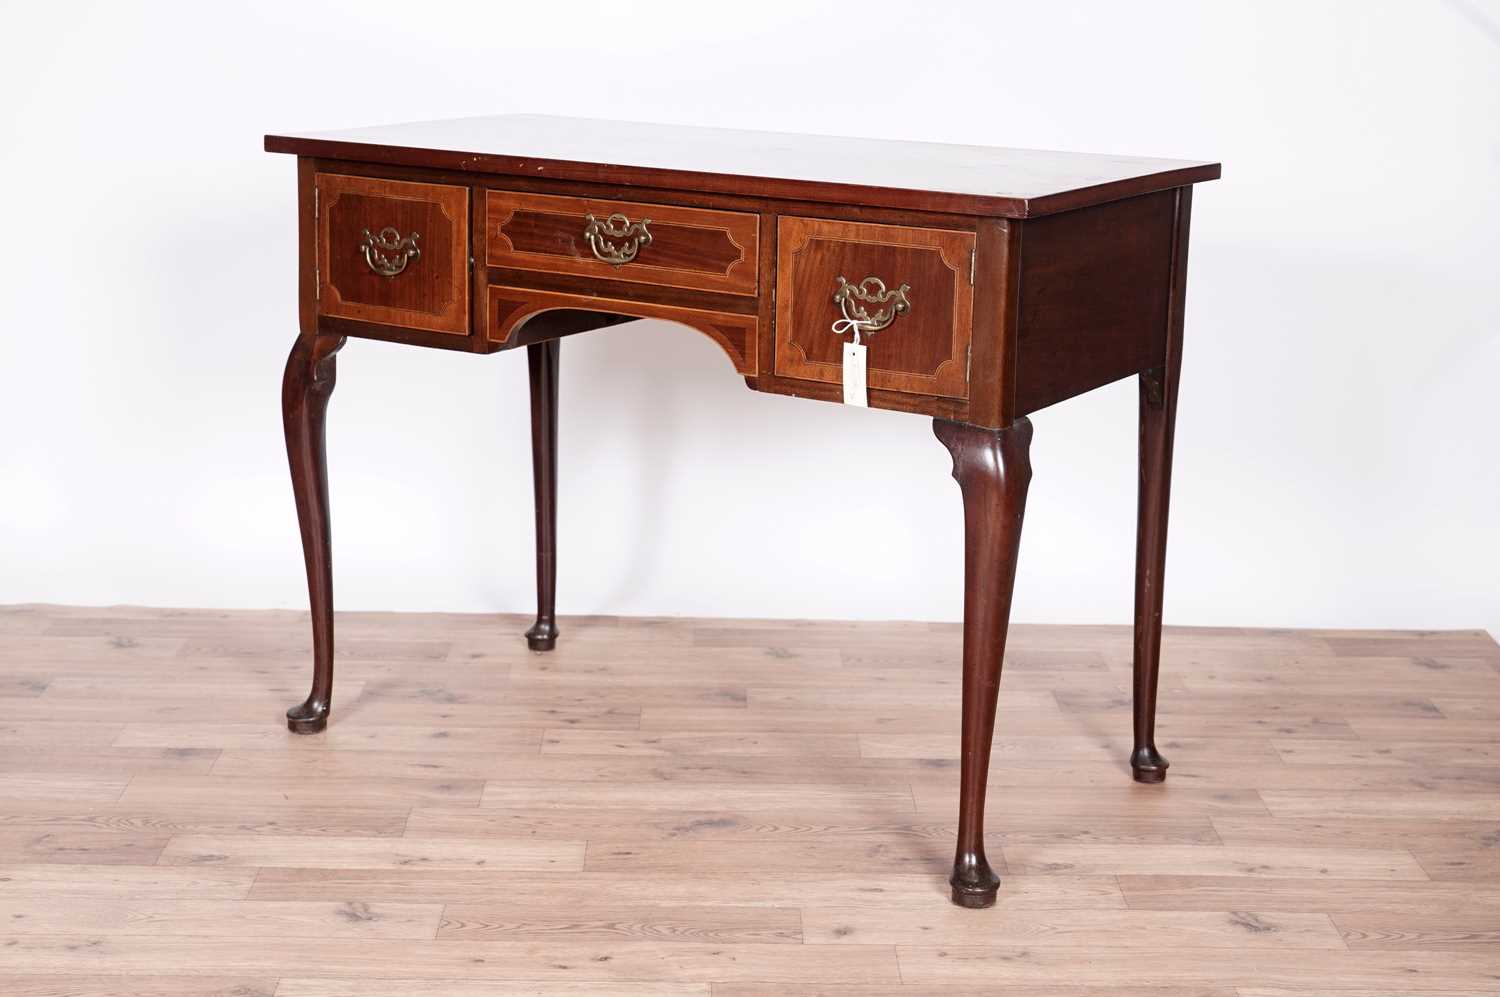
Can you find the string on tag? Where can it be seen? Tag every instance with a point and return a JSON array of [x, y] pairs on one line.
[[844, 325]]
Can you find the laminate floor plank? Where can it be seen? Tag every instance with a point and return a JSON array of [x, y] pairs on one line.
[[458, 766], [166, 712], [46, 734], [730, 796], [25, 619], [1358, 832], [850, 718], [249, 792], [962, 990], [595, 922], [22, 684], [728, 827], [1206, 892], [258, 642], [132, 690], [116, 761], [1278, 861], [1327, 972], [338, 739], [1475, 926], [910, 855], [1268, 706], [1412, 754], [73, 846], [1078, 929], [1482, 805], [1009, 749], [1458, 731], [735, 808], [1466, 863], [372, 853], [696, 744], [208, 815], [560, 713], [27, 651], [1361, 992], [551, 960], [365, 987], [1328, 675], [936, 795], [16, 788], [134, 986], [833, 773], [125, 882], [874, 888], [1457, 779], [259, 919]]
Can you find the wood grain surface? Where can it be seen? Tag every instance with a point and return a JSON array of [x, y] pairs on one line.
[[701, 808], [432, 291], [927, 176], [924, 350], [689, 247]]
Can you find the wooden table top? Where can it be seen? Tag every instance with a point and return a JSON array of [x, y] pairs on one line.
[[924, 176]]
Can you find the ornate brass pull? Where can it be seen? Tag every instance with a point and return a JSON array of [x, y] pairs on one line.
[[633, 236], [388, 253], [871, 291]]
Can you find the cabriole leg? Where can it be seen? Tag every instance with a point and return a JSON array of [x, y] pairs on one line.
[[993, 469], [305, 389]]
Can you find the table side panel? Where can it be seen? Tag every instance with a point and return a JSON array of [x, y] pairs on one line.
[[1094, 294]]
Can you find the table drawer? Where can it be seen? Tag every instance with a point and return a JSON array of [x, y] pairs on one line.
[[912, 289], [662, 244], [393, 252]]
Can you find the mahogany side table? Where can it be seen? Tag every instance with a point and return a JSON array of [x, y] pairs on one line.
[[973, 285]]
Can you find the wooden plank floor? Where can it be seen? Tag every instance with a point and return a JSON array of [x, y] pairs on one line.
[[735, 809]]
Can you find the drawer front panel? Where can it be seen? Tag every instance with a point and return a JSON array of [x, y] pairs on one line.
[[393, 252], [661, 244], [915, 282]]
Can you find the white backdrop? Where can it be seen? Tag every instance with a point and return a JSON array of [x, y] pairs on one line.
[[1337, 456]]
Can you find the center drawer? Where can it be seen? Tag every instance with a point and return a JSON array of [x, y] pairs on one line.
[[663, 244]]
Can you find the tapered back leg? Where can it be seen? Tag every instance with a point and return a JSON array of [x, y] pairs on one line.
[[306, 387], [542, 362], [1157, 412], [1158, 419], [993, 469]]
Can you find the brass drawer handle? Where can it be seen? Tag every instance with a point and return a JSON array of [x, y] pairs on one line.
[[634, 237], [870, 291], [388, 253]]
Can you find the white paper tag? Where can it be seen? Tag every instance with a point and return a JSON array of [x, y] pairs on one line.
[[855, 392]]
